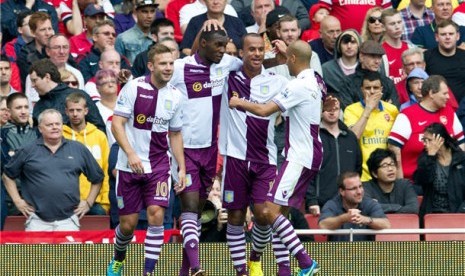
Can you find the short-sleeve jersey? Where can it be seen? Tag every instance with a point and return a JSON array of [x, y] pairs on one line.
[[151, 113], [202, 86], [376, 131], [407, 132], [351, 13], [250, 137], [301, 103]]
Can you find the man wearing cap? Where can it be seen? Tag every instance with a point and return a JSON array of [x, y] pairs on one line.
[[137, 39], [81, 44], [345, 60], [330, 28], [370, 118], [370, 58]]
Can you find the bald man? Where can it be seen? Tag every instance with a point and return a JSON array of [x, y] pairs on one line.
[[302, 99], [330, 29]]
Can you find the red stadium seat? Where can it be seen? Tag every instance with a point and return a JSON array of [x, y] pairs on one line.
[[313, 224], [444, 221], [14, 223], [95, 223], [401, 221]]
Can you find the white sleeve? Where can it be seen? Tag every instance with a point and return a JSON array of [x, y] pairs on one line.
[[401, 130]]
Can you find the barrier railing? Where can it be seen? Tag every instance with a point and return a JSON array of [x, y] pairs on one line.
[[352, 232]]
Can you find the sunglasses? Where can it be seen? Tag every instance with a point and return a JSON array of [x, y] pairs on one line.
[[373, 19], [73, 83], [108, 34]]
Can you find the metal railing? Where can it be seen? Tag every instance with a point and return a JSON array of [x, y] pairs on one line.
[[351, 232]]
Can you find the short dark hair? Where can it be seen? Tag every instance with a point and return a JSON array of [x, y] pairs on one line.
[[160, 22], [208, 35], [343, 176], [12, 97], [249, 35], [45, 66], [21, 16], [376, 157], [4, 58], [370, 76], [432, 84]]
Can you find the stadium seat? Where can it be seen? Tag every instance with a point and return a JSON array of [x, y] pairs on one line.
[[313, 224], [420, 200], [95, 223], [444, 221], [401, 221], [14, 223]]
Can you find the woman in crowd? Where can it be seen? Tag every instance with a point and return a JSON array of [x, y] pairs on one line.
[[441, 172], [372, 28]]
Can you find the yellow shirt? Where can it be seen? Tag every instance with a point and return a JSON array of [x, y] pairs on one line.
[[376, 131]]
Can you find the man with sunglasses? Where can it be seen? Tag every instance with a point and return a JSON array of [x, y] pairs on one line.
[[104, 35], [351, 14], [351, 209]]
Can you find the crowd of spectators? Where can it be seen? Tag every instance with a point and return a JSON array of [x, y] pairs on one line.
[[394, 119]]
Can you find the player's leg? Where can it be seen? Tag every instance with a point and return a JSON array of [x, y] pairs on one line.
[[236, 199], [263, 177], [289, 192], [129, 200], [156, 197], [190, 212]]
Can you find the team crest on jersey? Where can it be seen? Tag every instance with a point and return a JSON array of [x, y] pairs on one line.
[[387, 117], [188, 180], [168, 105], [235, 94], [443, 120], [228, 196], [197, 86], [264, 89], [219, 72], [119, 200]]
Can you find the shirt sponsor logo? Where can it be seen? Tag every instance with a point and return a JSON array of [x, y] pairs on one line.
[[196, 70], [146, 96], [197, 87], [357, 2], [141, 119]]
